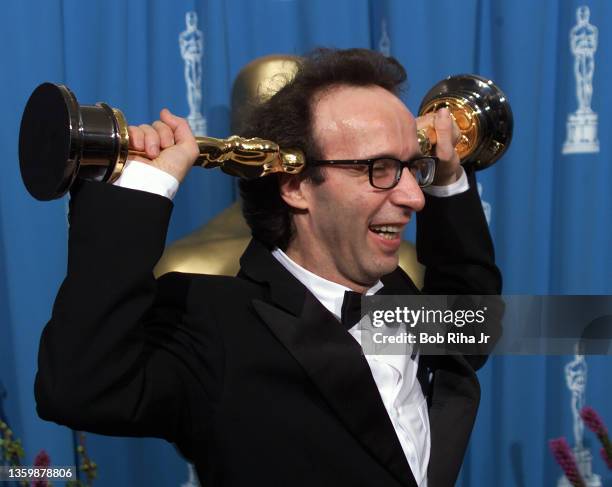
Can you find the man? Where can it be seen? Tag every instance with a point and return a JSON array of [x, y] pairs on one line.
[[253, 377]]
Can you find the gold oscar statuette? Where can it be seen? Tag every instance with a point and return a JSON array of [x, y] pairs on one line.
[[480, 110], [60, 140]]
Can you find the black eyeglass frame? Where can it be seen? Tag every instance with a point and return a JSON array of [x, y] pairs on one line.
[[370, 163]]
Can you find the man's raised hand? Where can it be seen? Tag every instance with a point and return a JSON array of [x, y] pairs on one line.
[[168, 143], [447, 136]]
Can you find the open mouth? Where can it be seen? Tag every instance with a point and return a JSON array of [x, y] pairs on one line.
[[387, 232]]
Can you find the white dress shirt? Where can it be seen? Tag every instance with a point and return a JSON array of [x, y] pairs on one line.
[[395, 375]]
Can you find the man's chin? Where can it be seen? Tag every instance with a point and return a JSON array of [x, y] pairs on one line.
[[386, 265]]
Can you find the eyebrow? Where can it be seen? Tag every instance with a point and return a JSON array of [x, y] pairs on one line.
[[387, 155]]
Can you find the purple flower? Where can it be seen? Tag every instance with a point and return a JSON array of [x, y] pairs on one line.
[[565, 458], [42, 460], [597, 426], [593, 421]]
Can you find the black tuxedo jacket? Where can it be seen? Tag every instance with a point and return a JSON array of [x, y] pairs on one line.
[[250, 376]]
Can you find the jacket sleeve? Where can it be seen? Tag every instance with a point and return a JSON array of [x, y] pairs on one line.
[[454, 243], [117, 356]]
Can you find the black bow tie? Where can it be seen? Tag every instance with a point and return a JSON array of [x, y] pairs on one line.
[[351, 309], [351, 313]]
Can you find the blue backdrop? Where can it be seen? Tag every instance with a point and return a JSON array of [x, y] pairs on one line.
[[550, 213]]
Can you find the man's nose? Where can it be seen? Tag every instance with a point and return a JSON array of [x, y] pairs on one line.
[[408, 193]]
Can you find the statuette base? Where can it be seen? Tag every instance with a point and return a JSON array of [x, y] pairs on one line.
[[581, 134]]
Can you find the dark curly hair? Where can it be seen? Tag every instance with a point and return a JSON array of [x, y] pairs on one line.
[[286, 118]]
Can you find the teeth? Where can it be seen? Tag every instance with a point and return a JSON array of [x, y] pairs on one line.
[[386, 228], [388, 232]]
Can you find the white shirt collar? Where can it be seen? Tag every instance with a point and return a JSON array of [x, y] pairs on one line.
[[330, 294]]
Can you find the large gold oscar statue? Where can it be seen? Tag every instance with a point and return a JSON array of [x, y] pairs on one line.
[[215, 248]]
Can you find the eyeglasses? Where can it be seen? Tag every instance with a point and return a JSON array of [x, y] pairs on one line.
[[386, 172]]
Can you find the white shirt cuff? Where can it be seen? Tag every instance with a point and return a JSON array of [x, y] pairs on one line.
[[144, 177], [460, 186]]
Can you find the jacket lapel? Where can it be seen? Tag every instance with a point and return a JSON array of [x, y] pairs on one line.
[[331, 358], [456, 394]]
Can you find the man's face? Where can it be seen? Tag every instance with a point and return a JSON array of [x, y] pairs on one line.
[[350, 232]]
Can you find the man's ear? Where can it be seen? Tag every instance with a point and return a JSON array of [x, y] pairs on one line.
[[291, 187]]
